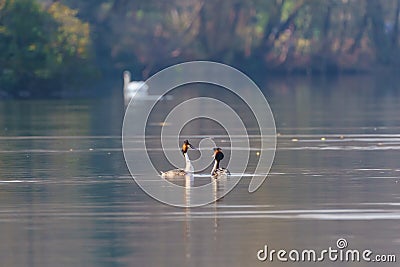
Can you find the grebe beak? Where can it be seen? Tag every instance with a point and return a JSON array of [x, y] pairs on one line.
[[189, 144]]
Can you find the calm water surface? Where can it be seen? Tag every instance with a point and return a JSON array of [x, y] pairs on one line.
[[67, 198]]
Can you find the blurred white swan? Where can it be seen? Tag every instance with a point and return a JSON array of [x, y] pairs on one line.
[[132, 88], [138, 90]]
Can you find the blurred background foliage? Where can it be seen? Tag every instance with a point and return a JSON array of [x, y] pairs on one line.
[[46, 45], [41, 47]]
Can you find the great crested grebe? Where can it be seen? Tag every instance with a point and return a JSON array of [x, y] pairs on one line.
[[217, 171], [188, 168]]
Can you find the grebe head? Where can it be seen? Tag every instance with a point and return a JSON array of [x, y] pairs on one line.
[[218, 155], [186, 146]]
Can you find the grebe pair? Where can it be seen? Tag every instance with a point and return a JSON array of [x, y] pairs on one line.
[[215, 173]]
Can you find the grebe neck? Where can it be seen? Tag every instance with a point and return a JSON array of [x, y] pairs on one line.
[[189, 167], [216, 166]]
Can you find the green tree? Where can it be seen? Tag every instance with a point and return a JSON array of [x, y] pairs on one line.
[[38, 45], [70, 44]]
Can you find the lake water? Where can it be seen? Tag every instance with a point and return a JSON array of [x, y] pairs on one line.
[[68, 199]]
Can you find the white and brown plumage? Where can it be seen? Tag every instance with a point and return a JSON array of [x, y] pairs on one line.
[[181, 172], [217, 171]]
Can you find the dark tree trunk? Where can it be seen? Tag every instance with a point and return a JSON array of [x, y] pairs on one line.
[[380, 38], [358, 38]]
